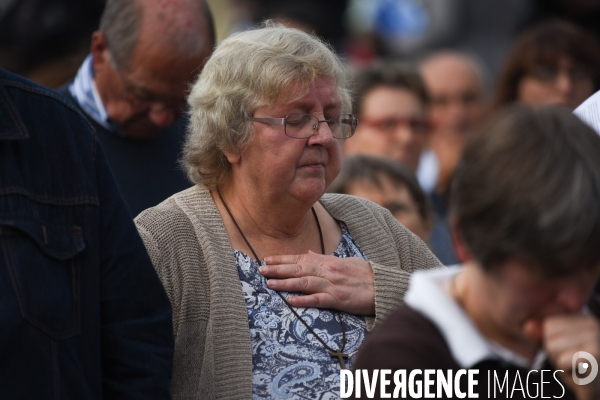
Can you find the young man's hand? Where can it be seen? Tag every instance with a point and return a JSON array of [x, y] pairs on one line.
[[565, 335]]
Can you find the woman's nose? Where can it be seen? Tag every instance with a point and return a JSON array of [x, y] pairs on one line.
[[322, 135]]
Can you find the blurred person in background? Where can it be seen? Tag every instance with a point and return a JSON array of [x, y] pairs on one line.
[[529, 248], [409, 29], [455, 82], [133, 86], [456, 87], [46, 40], [274, 283], [390, 184], [322, 18], [552, 63], [583, 13], [391, 104]]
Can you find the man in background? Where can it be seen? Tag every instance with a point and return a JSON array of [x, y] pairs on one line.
[[391, 104], [456, 87], [133, 88]]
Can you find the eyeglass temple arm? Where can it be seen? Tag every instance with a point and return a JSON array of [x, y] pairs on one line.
[[282, 121], [349, 121], [274, 121]]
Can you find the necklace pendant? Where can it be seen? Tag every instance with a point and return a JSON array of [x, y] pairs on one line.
[[340, 356]]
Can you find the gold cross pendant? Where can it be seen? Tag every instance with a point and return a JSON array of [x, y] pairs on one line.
[[340, 356]]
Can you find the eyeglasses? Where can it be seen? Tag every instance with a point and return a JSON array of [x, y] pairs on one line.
[[549, 73], [302, 126], [389, 125], [141, 100]]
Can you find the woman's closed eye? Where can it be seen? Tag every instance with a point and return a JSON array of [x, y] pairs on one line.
[[298, 119]]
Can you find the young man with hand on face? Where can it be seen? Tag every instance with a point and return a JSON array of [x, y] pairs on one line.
[[526, 226]]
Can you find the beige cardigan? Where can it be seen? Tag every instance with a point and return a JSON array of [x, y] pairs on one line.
[[190, 250]]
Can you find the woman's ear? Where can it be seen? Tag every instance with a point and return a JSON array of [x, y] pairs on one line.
[[234, 157], [460, 248]]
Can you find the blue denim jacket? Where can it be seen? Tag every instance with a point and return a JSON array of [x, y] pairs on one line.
[[83, 314]]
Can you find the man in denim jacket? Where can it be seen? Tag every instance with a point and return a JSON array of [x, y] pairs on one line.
[[82, 312]]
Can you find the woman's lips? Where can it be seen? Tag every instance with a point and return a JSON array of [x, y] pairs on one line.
[[313, 166]]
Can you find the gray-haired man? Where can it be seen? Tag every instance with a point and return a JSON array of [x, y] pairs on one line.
[[133, 87]]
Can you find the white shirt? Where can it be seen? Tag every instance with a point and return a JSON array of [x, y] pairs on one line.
[[84, 90], [428, 170]]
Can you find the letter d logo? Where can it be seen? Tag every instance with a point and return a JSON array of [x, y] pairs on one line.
[[581, 368]]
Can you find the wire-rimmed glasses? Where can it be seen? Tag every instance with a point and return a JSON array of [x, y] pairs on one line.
[[302, 126]]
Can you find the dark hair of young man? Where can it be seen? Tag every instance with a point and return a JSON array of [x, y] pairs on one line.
[[528, 187], [371, 169]]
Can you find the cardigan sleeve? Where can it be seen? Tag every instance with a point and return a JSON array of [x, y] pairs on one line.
[[154, 252], [391, 282], [145, 224], [392, 279], [390, 286], [175, 255]]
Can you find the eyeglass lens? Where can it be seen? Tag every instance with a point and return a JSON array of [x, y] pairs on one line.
[[305, 125], [547, 72]]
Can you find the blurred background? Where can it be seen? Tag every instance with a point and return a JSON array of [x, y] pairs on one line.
[[46, 40]]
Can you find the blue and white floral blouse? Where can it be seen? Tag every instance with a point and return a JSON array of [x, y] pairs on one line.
[[287, 361]]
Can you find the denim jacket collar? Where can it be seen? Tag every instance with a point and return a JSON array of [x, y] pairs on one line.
[[11, 124]]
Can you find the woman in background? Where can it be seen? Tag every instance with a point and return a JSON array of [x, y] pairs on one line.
[[553, 63]]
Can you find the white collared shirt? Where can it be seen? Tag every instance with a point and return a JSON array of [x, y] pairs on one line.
[[428, 170], [84, 90], [467, 345]]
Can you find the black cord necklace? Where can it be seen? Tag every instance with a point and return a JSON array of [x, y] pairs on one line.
[[339, 354]]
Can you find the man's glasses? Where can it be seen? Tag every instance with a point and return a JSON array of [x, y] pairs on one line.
[[141, 100], [302, 126], [389, 125]]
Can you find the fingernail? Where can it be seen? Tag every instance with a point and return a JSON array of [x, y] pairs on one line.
[[270, 283], [262, 269]]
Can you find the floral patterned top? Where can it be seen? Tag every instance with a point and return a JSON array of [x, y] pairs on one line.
[[287, 361]]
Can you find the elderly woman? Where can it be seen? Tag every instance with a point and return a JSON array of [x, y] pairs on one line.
[[269, 114]]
